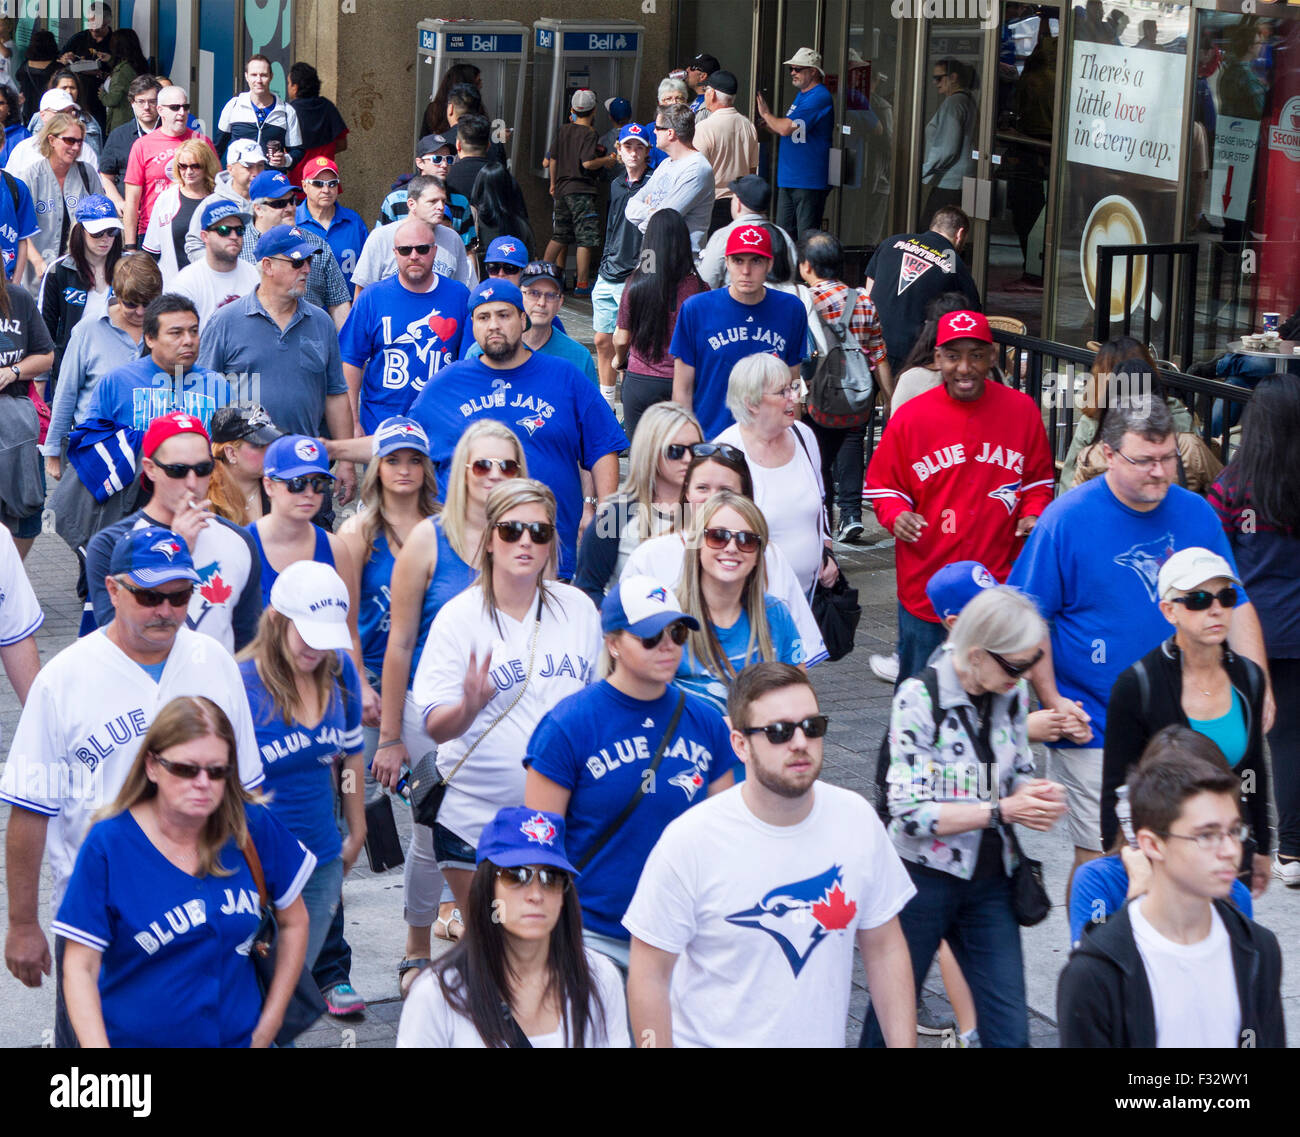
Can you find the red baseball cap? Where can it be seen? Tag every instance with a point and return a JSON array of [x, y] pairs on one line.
[[318, 166], [750, 239], [963, 326], [168, 426]]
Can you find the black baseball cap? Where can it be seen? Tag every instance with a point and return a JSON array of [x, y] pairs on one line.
[[723, 81], [704, 62], [753, 192], [542, 270], [244, 424], [431, 144]]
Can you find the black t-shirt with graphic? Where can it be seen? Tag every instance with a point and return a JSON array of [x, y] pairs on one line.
[[22, 333]]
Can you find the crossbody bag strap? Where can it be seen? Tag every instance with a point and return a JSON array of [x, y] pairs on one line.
[[255, 867], [640, 790], [816, 473]]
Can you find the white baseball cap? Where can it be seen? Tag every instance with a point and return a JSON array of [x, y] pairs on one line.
[[315, 598], [1188, 568], [245, 151], [642, 606], [57, 100]]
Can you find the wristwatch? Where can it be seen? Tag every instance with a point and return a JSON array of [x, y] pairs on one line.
[[18, 375]]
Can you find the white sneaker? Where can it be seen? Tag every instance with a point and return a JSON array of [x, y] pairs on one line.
[[1288, 872], [885, 668]]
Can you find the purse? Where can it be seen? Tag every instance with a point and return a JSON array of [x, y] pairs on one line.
[[306, 1004], [428, 798], [837, 613], [383, 846]]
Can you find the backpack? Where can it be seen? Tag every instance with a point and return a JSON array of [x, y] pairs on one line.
[[842, 384]]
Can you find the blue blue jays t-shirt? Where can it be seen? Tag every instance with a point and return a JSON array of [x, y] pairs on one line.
[[802, 157], [16, 224], [401, 339], [562, 347], [561, 419], [175, 970], [599, 744], [299, 760], [695, 678], [715, 332], [1091, 564], [136, 394]]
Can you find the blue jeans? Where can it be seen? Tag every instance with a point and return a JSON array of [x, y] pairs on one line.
[[976, 919], [321, 894], [917, 640]]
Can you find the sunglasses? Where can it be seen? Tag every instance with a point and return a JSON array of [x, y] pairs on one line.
[[552, 880], [152, 598], [280, 203], [676, 451], [746, 542], [502, 270], [189, 165], [132, 304], [180, 470], [676, 632], [297, 264], [441, 159], [319, 483], [1200, 600], [1015, 670], [227, 230], [189, 770], [939, 78], [540, 531], [407, 250], [722, 449], [69, 141], [322, 184], [173, 106], [814, 726], [482, 467]]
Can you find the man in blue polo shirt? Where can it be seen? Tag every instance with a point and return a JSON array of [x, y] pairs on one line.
[[342, 228], [803, 157], [286, 347], [717, 329], [402, 330]]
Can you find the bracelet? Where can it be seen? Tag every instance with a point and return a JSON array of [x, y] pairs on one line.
[[390, 742], [591, 501]]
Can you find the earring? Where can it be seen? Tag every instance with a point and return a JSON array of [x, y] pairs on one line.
[[613, 655], [230, 459]]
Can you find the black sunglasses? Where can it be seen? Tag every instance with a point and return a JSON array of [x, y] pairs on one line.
[[502, 269], [227, 230], [1015, 670], [189, 770], [722, 449], [814, 726], [173, 106], [540, 531], [280, 203], [179, 470], [746, 541], [319, 483], [677, 632], [521, 876], [407, 250], [676, 451], [152, 598], [482, 467], [1200, 600]]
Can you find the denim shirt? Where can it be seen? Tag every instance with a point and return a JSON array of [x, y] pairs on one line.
[[926, 772]]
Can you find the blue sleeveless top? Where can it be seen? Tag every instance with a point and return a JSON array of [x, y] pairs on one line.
[[451, 576], [323, 555], [375, 617]]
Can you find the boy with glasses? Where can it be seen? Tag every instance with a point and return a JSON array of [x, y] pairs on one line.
[[220, 277], [341, 227], [148, 167]]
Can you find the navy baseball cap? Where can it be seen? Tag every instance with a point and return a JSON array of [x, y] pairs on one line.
[[152, 555], [431, 144], [399, 433], [496, 291], [519, 836], [285, 241], [618, 109], [642, 606], [636, 132], [956, 585], [295, 456], [507, 251], [216, 212], [543, 270], [97, 214], [271, 184]]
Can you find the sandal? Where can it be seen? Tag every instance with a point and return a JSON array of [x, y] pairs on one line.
[[411, 965], [442, 926]]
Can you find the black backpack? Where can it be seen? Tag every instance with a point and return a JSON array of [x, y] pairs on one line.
[[841, 382]]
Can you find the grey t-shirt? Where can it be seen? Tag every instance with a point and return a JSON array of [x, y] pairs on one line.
[[684, 184]]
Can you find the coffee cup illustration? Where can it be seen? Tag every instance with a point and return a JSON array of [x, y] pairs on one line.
[[1114, 220]]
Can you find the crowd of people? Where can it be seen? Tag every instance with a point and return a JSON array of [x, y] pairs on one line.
[[570, 620]]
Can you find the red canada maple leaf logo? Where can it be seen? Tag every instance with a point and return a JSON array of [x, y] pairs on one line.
[[835, 911], [216, 591]]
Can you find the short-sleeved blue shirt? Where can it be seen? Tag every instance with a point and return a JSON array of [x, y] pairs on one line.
[[141, 391], [16, 224], [599, 744], [175, 969], [299, 760], [345, 237], [802, 158], [562, 347]]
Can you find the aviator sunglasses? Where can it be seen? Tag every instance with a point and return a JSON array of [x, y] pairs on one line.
[[676, 632], [521, 876], [482, 467], [746, 542]]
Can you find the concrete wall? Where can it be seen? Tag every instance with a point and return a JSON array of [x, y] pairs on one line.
[[366, 60]]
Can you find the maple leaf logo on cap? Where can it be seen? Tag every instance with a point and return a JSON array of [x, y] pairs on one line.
[[538, 828], [961, 322], [751, 236]]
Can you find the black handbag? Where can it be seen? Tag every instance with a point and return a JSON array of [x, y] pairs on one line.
[[383, 846], [1029, 899], [306, 1004], [837, 613]]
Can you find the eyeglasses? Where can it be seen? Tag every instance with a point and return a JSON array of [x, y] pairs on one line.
[[173, 106], [280, 203], [191, 770], [482, 467], [298, 264], [1211, 839], [152, 598], [323, 185], [548, 294], [502, 270], [814, 726], [408, 250], [677, 632], [319, 483], [144, 104], [1200, 600], [660, 126], [189, 165], [540, 531], [227, 230], [180, 470], [789, 391], [721, 449], [69, 141], [1015, 670], [746, 542], [521, 876], [1150, 463], [939, 78]]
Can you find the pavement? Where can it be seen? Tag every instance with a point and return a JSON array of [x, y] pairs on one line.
[[858, 706]]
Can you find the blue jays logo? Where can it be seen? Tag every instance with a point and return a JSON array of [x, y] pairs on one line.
[[537, 828], [503, 249], [486, 294], [660, 594], [531, 423], [690, 782], [1008, 495], [1146, 559], [167, 547], [800, 915], [307, 450]]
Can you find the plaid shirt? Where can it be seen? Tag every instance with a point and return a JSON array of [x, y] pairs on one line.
[[828, 302]]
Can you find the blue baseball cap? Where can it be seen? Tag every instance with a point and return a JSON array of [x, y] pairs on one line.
[[642, 606], [97, 214], [618, 109], [271, 184], [295, 456], [519, 836], [152, 555], [498, 291], [636, 132], [216, 212], [285, 241], [507, 251], [956, 585], [399, 433]]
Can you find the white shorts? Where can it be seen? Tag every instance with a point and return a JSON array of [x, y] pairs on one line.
[[1079, 771], [605, 297]]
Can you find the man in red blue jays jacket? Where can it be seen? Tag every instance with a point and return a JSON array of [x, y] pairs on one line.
[[961, 473]]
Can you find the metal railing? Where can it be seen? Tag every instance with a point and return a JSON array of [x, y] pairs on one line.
[[1178, 261]]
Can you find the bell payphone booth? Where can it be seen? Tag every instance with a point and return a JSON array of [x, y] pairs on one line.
[[603, 55], [498, 48]]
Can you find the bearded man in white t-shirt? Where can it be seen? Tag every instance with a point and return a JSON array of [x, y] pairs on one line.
[[220, 278], [770, 884]]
